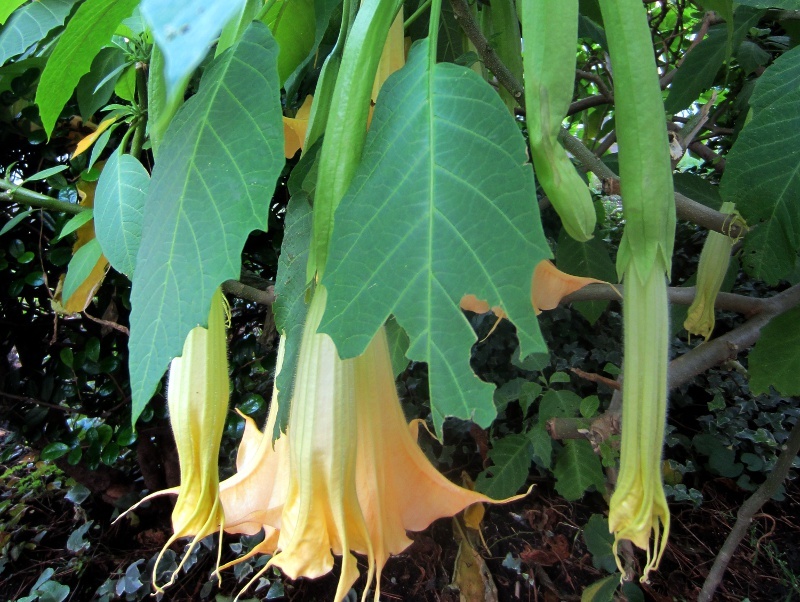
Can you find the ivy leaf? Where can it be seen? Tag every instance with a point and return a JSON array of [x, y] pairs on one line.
[[511, 457], [421, 226], [577, 468], [184, 31], [217, 168], [30, 24], [86, 33], [290, 305], [762, 175], [118, 209], [775, 360]]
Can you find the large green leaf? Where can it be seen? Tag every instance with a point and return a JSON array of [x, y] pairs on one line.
[[30, 24], [700, 67], [184, 30], [442, 205], [590, 259], [290, 304], [293, 24], [118, 210], [577, 468], [762, 175], [86, 33], [216, 173], [511, 457], [775, 360]]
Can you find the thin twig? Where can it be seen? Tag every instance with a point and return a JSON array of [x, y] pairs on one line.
[[748, 510]]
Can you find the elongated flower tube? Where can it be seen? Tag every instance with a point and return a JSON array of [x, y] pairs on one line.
[[638, 507], [321, 514], [197, 397], [714, 261]]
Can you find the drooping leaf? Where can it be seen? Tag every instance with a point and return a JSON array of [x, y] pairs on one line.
[[323, 11], [89, 140], [74, 223], [290, 304], [119, 208], [468, 227], [184, 30], [577, 468], [217, 168], [30, 24], [511, 459], [762, 175], [589, 259], [86, 33], [775, 360]]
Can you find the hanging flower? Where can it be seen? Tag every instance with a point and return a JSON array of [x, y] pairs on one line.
[[197, 397], [357, 479], [638, 506]]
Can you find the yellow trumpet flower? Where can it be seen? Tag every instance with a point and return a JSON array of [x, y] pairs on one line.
[[357, 480], [197, 397], [321, 514]]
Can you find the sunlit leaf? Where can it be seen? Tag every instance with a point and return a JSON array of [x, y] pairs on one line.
[[30, 24]]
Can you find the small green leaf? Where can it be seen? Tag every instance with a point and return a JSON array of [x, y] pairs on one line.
[[251, 404], [775, 359], [76, 222], [67, 357], [542, 445], [599, 541], [15, 220], [558, 404], [589, 406], [211, 185], [577, 468], [86, 33], [46, 173], [468, 227], [80, 267], [601, 591], [511, 459], [110, 454], [53, 451], [30, 24], [76, 542], [119, 206], [559, 377]]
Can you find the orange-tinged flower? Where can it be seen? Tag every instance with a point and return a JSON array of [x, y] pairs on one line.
[[294, 129], [398, 488], [322, 512], [253, 498]]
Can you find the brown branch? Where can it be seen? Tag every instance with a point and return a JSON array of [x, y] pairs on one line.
[[251, 293], [39, 402], [596, 378], [698, 360], [748, 510], [119, 327]]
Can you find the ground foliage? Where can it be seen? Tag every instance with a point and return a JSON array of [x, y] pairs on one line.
[[70, 460]]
